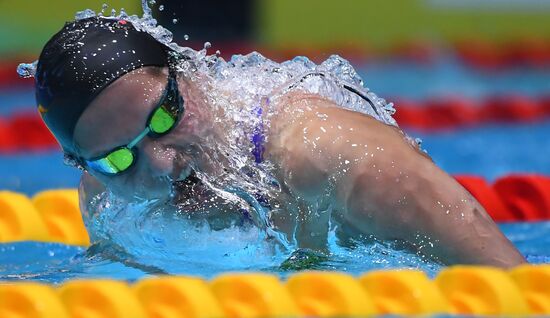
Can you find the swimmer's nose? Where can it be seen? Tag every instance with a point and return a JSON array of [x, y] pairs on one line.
[[159, 158]]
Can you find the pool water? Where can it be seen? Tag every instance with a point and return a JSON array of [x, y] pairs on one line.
[[490, 151], [55, 263]]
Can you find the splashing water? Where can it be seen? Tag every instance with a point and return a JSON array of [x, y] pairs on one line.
[[161, 235], [26, 70]]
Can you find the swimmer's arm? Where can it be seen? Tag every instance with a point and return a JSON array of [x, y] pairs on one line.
[[387, 188]]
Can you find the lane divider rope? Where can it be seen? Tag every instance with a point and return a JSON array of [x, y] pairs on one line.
[[450, 113], [456, 290], [49, 216]]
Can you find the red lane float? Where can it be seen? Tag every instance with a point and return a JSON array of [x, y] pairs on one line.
[[420, 52], [25, 132], [482, 54], [486, 196], [476, 53], [479, 54], [532, 52], [527, 196], [512, 108], [31, 133], [412, 114], [7, 140], [512, 198], [458, 112], [451, 112], [544, 104]]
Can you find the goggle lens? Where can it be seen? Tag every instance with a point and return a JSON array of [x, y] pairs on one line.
[[115, 162], [162, 120]]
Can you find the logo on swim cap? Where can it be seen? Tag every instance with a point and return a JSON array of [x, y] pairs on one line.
[[42, 109]]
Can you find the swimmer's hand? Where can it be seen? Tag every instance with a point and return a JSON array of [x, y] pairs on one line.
[[382, 185]]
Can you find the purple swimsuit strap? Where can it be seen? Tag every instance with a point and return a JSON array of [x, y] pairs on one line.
[[258, 138], [258, 134]]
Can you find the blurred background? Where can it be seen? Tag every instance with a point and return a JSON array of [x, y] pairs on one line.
[[364, 25], [470, 78]]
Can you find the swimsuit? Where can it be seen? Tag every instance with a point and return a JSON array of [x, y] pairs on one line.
[[258, 134]]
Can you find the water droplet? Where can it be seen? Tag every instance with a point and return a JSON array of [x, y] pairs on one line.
[[161, 7], [88, 13], [174, 21], [186, 37], [103, 8], [26, 70]]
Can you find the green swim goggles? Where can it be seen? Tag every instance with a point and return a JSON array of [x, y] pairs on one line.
[[164, 117]]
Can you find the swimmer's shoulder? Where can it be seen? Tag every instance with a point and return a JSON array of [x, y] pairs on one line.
[[292, 107]]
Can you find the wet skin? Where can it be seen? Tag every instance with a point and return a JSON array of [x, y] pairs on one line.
[[377, 182], [382, 184]]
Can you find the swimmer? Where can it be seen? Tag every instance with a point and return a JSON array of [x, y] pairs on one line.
[[142, 127]]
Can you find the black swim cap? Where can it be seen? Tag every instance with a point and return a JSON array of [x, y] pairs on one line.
[[80, 61]]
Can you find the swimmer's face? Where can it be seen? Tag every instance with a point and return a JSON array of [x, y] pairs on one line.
[[120, 113]]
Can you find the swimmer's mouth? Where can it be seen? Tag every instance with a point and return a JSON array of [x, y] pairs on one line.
[[189, 191], [187, 181]]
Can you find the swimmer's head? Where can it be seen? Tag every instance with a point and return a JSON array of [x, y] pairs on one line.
[[81, 60], [102, 86]]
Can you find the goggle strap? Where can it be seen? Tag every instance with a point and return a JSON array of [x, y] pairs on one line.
[[139, 138]]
